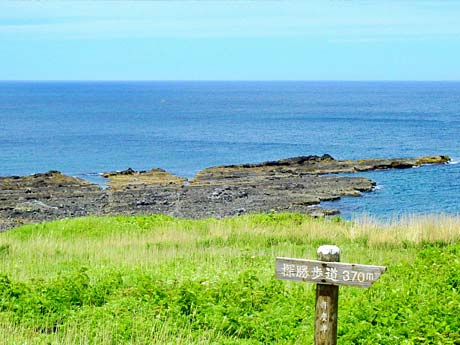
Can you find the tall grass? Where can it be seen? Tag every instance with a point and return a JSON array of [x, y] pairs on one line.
[[413, 229], [156, 279]]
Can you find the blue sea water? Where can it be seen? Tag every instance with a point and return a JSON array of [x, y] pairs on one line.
[[84, 128]]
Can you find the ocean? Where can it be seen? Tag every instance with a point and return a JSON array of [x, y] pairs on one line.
[[85, 128]]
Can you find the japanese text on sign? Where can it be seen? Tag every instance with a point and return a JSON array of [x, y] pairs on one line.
[[333, 273]]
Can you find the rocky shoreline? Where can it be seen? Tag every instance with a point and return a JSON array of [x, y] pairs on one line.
[[295, 184]]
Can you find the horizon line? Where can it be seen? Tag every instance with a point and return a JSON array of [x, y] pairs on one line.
[[228, 80]]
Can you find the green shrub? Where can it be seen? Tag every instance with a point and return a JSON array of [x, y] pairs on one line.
[[154, 279]]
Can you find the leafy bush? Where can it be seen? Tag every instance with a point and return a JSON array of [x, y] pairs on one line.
[[143, 280]]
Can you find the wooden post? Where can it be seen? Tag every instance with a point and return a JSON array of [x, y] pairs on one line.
[[328, 273], [327, 297]]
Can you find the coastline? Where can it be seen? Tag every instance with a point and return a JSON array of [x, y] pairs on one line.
[[298, 184]]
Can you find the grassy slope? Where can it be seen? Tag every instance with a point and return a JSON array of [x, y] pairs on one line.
[[156, 279]]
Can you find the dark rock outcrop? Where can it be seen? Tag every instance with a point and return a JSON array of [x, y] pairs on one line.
[[295, 184], [311, 165], [46, 196]]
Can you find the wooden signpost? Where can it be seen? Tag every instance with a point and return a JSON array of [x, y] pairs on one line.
[[329, 274]]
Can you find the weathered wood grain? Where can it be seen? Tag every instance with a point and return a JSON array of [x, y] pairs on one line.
[[329, 273], [327, 302]]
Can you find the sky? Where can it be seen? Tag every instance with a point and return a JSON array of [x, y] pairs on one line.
[[230, 40]]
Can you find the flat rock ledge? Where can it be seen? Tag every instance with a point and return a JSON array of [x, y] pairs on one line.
[[295, 184]]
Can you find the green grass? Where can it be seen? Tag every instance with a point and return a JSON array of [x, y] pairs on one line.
[[156, 279]]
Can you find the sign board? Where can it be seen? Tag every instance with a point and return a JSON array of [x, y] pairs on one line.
[[327, 273]]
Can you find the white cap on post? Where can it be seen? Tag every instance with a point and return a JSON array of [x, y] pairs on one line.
[[328, 253]]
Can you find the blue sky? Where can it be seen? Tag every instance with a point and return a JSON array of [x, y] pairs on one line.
[[237, 40]]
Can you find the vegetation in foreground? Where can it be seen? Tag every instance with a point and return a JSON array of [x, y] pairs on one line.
[[156, 279]]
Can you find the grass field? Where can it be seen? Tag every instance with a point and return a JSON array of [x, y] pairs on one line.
[[160, 280]]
